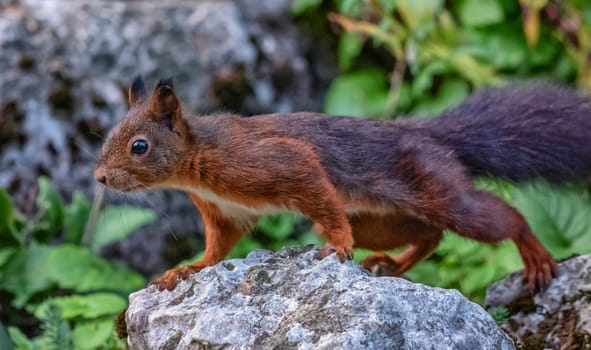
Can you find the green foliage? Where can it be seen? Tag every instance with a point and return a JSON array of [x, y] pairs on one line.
[[560, 217], [358, 94], [301, 6], [479, 13], [96, 334], [442, 50], [76, 216], [5, 341], [276, 232], [350, 45], [91, 290], [6, 213], [57, 334], [467, 265], [277, 227], [499, 314], [272, 232], [115, 223], [51, 205], [450, 93], [21, 342], [86, 306]]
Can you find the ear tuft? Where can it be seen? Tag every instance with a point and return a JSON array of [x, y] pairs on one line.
[[165, 105], [137, 91], [165, 82]]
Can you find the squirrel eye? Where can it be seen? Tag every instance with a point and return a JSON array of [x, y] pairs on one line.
[[139, 146]]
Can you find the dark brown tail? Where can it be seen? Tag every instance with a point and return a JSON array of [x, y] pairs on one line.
[[536, 131]]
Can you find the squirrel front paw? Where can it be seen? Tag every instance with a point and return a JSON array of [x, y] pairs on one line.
[[343, 252], [171, 277]]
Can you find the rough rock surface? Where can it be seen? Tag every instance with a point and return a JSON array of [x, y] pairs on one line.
[[65, 67], [291, 300], [558, 318]]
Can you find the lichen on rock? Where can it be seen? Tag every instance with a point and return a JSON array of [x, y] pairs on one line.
[[557, 318], [291, 299]]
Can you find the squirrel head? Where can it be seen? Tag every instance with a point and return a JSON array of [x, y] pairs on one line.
[[146, 147]]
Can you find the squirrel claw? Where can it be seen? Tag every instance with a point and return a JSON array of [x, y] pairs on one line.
[[163, 282], [343, 253], [171, 277], [539, 272]]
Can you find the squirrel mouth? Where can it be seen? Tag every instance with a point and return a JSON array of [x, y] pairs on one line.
[[131, 188], [127, 186]]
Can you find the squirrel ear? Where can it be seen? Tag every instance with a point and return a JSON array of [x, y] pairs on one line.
[[165, 104], [137, 91]]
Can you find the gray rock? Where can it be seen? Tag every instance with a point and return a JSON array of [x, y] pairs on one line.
[[557, 318], [65, 66], [291, 300]]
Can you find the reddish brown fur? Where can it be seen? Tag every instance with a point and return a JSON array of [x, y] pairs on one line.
[[366, 183]]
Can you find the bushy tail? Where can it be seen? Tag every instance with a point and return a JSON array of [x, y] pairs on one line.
[[520, 133]]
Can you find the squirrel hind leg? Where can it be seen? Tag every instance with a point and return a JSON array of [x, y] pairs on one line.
[[380, 264], [384, 232], [489, 219]]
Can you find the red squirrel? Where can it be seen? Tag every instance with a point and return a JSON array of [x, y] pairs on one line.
[[365, 183]]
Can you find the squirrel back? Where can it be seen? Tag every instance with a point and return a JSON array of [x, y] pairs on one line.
[[520, 133]]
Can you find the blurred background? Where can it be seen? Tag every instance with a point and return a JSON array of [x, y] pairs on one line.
[[65, 67]]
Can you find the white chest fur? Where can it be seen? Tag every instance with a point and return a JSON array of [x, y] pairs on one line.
[[234, 209]]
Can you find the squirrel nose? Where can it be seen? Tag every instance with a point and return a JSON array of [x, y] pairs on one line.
[[100, 176]]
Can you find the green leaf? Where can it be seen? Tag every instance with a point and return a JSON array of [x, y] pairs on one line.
[[350, 45], [6, 213], [244, 246], [424, 79], [300, 6], [417, 14], [76, 217], [451, 92], [350, 7], [477, 278], [86, 306], [499, 314], [116, 223], [476, 72], [362, 93], [56, 334], [78, 269], [5, 342], [545, 52], [478, 13], [25, 273], [5, 255], [21, 342], [503, 46], [467, 265], [92, 334], [39, 268], [388, 5], [278, 227], [310, 238], [559, 217], [404, 98], [50, 201]]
